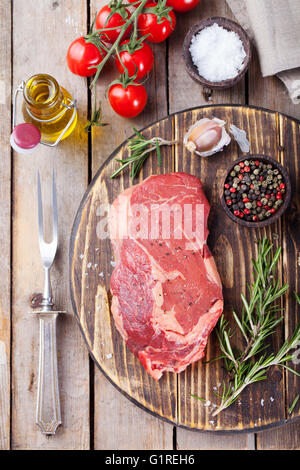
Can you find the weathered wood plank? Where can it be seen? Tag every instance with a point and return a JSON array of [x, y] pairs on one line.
[[190, 440], [271, 93], [35, 40], [121, 425], [112, 409], [5, 207], [290, 144], [92, 265], [283, 438], [230, 239], [288, 436]]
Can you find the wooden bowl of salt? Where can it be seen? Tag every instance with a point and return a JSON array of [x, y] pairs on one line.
[[217, 52]]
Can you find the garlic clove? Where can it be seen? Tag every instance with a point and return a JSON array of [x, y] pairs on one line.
[[206, 137]]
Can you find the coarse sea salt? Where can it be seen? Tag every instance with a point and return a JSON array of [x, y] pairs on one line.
[[217, 53]]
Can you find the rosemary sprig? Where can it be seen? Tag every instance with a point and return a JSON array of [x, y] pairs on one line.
[[139, 150], [255, 371], [198, 398], [257, 322]]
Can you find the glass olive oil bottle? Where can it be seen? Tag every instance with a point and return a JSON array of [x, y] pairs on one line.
[[49, 107]]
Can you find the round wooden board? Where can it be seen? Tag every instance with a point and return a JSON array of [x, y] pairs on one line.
[[260, 406]]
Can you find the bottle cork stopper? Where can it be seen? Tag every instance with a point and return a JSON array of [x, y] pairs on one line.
[[26, 136]]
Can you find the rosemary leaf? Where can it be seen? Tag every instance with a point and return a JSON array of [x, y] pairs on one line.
[[198, 398], [292, 407], [158, 153], [257, 322]]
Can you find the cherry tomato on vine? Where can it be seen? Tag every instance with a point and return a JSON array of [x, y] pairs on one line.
[[82, 55], [149, 23], [128, 101], [118, 19], [140, 60], [182, 5]]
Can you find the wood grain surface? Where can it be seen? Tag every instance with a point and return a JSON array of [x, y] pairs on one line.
[[110, 407], [5, 221], [91, 259], [69, 161], [178, 99]]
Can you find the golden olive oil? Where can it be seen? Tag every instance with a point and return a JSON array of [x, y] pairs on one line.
[[49, 107]]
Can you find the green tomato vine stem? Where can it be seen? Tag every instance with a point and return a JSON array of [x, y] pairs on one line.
[[92, 38]]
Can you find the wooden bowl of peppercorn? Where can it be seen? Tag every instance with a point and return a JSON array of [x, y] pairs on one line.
[[256, 191]]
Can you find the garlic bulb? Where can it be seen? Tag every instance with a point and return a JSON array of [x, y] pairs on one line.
[[207, 137]]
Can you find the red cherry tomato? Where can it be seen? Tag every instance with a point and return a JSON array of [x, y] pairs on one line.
[[182, 5], [148, 24], [141, 60], [129, 101], [115, 20], [82, 55]]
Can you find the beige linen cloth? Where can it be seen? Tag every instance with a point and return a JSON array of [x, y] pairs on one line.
[[274, 27]]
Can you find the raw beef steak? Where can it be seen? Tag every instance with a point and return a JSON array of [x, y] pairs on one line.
[[167, 294]]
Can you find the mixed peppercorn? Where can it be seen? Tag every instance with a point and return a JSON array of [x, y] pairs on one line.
[[254, 190]]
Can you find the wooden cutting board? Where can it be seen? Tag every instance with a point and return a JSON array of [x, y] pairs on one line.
[[260, 406]]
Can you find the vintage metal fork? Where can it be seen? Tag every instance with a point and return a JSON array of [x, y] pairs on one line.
[[48, 415]]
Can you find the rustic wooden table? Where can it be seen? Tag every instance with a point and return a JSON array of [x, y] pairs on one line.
[[34, 38]]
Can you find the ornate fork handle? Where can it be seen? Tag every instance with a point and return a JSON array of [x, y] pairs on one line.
[[48, 415]]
